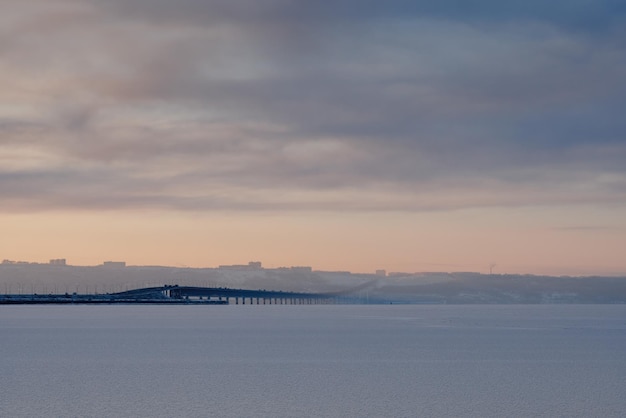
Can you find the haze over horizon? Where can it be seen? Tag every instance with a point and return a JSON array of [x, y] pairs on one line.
[[118, 266], [347, 135]]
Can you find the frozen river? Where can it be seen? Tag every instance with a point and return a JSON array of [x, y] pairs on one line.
[[313, 361]]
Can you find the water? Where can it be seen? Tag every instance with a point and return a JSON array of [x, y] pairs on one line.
[[313, 361]]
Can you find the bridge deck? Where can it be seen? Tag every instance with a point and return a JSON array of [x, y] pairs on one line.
[[173, 294]]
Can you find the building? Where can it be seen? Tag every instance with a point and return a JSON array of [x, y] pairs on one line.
[[255, 265], [252, 265], [58, 262], [116, 264], [399, 274], [302, 269]]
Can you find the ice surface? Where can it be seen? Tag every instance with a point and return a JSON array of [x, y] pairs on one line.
[[317, 361]]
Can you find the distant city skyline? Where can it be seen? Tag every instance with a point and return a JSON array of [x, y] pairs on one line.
[[259, 265], [398, 135]]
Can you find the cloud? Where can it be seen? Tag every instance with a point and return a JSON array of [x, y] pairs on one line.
[[289, 105], [584, 228]]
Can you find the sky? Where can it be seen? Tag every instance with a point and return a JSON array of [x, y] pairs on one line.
[[405, 135]]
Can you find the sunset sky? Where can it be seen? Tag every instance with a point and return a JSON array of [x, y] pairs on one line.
[[404, 135]]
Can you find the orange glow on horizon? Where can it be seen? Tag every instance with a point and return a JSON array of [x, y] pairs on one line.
[[521, 241]]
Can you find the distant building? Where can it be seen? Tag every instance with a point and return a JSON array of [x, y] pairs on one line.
[[233, 267], [58, 262], [302, 269], [255, 264], [382, 273], [20, 263], [252, 265], [399, 274], [116, 264]]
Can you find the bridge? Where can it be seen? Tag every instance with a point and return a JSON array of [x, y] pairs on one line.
[[175, 294]]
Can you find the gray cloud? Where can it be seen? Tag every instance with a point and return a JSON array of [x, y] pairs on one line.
[[584, 228], [574, 14], [292, 105]]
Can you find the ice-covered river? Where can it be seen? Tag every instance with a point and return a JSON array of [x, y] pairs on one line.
[[313, 361]]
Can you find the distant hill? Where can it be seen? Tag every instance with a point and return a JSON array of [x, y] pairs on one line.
[[458, 288]]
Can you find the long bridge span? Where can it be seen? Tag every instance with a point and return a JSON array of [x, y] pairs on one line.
[[175, 294], [228, 295]]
